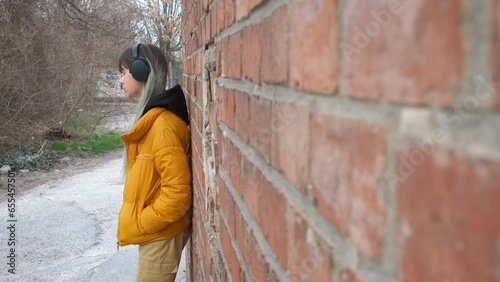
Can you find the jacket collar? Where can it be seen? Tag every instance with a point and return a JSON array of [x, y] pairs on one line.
[[173, 100], [142, 126]]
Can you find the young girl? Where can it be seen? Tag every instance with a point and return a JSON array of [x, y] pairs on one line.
[[156, 210]]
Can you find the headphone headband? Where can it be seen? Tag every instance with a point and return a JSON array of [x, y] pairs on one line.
[[135, 50]]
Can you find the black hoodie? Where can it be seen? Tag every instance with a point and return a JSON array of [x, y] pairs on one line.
[[173, 100]]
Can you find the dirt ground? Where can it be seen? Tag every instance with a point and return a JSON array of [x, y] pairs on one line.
[[65, 168]]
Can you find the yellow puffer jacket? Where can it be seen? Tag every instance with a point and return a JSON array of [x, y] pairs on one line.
[[157, 193]]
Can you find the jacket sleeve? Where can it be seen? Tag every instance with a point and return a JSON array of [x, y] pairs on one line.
[[175, 195]]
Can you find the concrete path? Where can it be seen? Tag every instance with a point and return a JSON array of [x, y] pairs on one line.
[[65, 229]]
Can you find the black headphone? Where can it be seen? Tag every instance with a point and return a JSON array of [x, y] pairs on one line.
[[139, 68]]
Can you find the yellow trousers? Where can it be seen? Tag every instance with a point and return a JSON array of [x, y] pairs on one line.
[[159, 261]]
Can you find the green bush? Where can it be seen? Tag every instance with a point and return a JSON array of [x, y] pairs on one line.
[[27, 158]]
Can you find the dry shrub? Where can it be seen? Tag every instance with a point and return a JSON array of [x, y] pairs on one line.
[[52, 53]]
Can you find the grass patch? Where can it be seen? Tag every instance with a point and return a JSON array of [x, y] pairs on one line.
[[95, 144], [32, 159]]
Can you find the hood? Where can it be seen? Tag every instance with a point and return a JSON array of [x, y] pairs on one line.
[[173, 100]]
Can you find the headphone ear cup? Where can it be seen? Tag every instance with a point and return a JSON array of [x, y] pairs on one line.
[[139, 69]]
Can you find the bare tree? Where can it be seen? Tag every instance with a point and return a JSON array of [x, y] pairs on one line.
[[160, 23], [52, 54]]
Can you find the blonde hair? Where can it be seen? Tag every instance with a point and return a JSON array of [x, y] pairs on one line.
[[156, 81]]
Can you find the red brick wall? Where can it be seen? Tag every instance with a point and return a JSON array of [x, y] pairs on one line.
[[339, 140]]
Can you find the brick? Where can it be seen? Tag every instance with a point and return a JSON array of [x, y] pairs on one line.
[[192, 93], [258, 266], [403, 51], [191, 106], [261, 131], [347, 164], [218, 58], [243, 7], [220, 189], [229, 255], [187, 87], [201, 10], [196, 142], [230, 108], [213, 22], [206, 30], [184, 68], [198, 196], [231, 160], [196, 269], [213, 84], [495, 51], [186, 53], [196, 162], [200, 238], [234, 165], [251, 179], [200, 64], [234, 53], [252, 4], [311, 257], [201, 33], [221, 104], [242, 116], [262, 200], [197, 40], [313, 46], [187, 66], [273, 203], [275, 47], [251, 52], [195, 64], [196, 13], [191, 64], [215, 136], [457, 198], [242, 237], [348, 275], [227, 209], [228, 13], [199, 114], [224, 56], [218, 149], [220, 15], [192, 114], [291, 128], [200, 172], [198, 202]]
